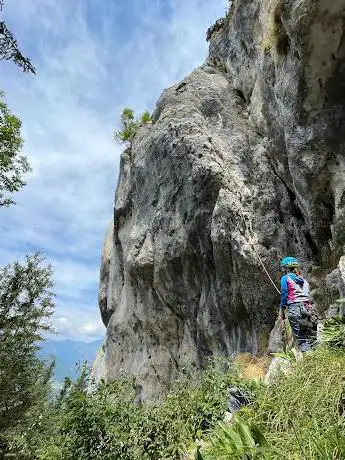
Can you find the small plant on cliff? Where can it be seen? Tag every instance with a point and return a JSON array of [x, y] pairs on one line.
[[218, 25], [221, 22], [129, 125], [145, 118]]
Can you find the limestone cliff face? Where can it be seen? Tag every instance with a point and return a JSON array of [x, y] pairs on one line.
[[244, 160]]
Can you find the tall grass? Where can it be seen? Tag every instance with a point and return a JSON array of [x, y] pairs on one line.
[[333, 333], [302, 416]]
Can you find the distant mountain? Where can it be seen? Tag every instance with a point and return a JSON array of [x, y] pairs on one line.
[[68, 353]]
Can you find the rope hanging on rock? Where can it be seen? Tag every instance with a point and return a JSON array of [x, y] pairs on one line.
[[251, 241]]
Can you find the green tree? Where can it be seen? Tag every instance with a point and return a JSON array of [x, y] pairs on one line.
[[129, 126], [9, 49], [26, 304], [12, 164]]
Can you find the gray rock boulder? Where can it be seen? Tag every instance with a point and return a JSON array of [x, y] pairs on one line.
[[276, 339]]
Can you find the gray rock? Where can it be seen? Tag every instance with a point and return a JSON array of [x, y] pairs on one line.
[[244, 160], [277, 368], [276, 339], [237, 398], [335, 288]]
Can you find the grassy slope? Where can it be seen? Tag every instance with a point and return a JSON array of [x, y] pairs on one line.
[[301, 416]]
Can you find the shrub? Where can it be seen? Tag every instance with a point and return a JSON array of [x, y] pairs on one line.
[[129, 126], [145, 118], [105, 424]]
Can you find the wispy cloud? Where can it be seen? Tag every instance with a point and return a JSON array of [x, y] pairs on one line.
[[93, 58]]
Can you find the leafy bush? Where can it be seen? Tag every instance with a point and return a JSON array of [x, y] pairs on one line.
[[145, 118], [129, 125], [300, 416], [237, 442], [105, 424], [22, 440]]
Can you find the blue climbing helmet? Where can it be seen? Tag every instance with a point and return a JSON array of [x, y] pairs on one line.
[[289, 262]]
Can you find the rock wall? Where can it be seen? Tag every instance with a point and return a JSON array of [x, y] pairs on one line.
[[244, 162]]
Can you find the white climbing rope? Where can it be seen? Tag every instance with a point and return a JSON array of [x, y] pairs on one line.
[[263, 266], [251, 241]]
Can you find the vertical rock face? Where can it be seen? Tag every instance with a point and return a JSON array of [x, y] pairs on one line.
[[243, 163]]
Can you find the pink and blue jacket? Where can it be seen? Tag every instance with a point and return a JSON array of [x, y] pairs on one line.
[[294, 289]]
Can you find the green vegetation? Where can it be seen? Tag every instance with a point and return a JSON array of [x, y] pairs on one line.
[[237, 441], [333, 333], [229, 12], [26, 304], [105, 424], [129, 125], [9, 49], [271, 34], [301, 416], [12, 164]]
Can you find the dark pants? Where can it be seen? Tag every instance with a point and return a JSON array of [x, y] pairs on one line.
[[294, 315]]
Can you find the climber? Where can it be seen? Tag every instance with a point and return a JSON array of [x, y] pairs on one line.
[[295, 299]]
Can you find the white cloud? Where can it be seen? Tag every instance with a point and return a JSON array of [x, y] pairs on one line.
[[78, 324], [93, 59]]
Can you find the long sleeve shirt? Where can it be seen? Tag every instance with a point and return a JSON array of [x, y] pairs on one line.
[[293, 289]]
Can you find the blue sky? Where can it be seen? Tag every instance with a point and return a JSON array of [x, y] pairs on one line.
[[93, 57]]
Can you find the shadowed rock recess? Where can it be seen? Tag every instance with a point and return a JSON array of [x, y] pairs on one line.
[[244, 158]]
